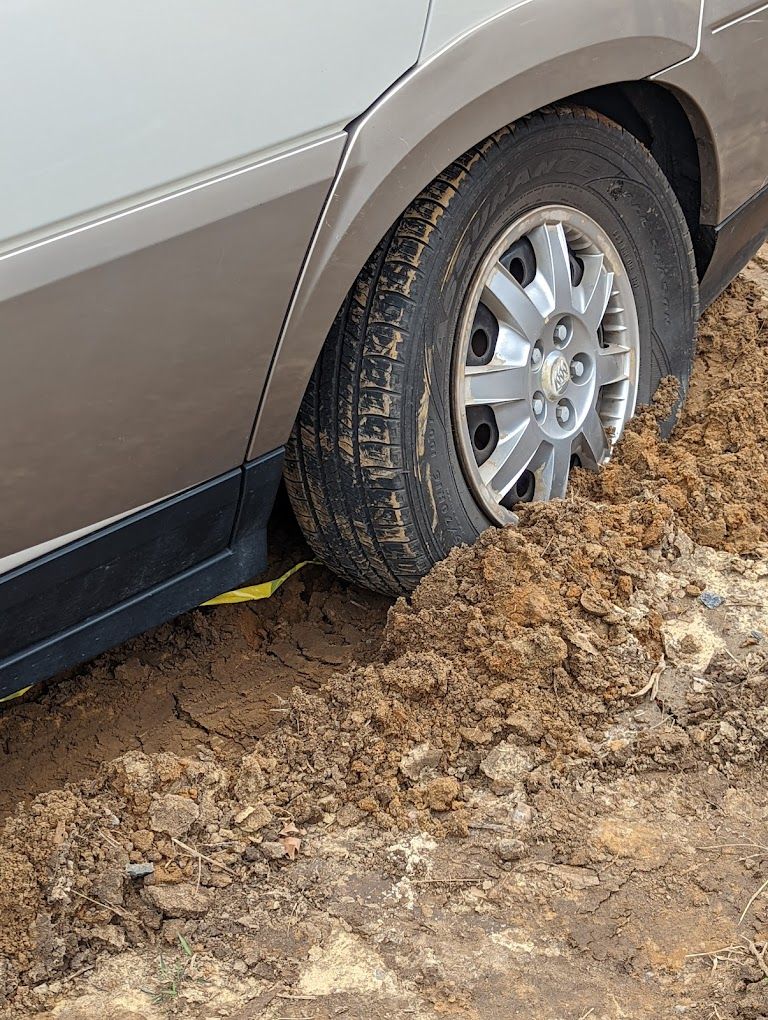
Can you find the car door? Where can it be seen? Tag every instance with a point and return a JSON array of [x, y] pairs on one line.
[[162, 170]]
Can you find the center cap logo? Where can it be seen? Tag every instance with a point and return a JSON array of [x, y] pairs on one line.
[[556, 375], [560, 375]]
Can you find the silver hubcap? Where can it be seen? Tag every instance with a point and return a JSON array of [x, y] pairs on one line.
[[546, 367]]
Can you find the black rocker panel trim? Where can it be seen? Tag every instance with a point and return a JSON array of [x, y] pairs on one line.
[[68, 606], [734, 243]]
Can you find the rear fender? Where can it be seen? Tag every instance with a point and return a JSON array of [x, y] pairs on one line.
[[532, 54]]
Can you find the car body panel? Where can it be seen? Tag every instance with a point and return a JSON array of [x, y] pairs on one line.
[[501, 69], [114, 100], [103, 588], [137, 378], [448, 19], [167, 170], [727, 79]]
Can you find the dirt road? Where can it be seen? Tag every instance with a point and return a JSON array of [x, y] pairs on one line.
[[536, 789]]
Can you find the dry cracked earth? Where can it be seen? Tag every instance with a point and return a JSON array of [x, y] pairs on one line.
[[537, 788]]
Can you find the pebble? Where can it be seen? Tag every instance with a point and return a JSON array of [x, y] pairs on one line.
[[140, 870], [711, 599], [523, 814], [505, 766], [419, 760], [173, 815], [511, 849], [272, 850], [728, 731], [182, 900]]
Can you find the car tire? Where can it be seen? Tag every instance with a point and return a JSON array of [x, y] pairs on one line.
[[381, 474]]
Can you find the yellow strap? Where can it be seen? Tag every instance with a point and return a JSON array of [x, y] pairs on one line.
[[251, 594], [16, 694], [255, 591]]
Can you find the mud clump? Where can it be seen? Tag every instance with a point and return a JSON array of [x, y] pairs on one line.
[[713, 471], [535, 634]]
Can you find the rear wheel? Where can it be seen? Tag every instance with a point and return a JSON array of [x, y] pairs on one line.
[[503, 331]]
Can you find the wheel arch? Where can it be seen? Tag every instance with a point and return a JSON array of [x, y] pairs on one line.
[[679, 137], [437, 111]]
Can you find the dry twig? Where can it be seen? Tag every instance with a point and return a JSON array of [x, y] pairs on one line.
[[202, 857], [653, 683]]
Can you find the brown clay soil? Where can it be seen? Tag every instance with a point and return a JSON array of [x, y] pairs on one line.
[[535, 789]]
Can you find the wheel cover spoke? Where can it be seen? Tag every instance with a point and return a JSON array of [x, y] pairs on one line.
[[552, 476], [510, 302], [594, 291], [553, 265], [515, 452], [596, 446], [559, 377], [495, 385], [613, 364]]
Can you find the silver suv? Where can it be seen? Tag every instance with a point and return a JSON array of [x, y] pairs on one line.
[[417, 257]]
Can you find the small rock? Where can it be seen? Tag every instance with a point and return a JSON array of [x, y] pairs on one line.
[[682, 543], [107, 887], [728, 731], [142, 839], [420, 759], [171, 930], [183, 900], [594, 603], [218, 880], [250, 781], [439, 794], [711, 600], [526, 726], [511, 849], [476, 734], [140, 870], [506, 766], [173, 815], [523, 814], [272, 850], [253, 817], [111, 934]]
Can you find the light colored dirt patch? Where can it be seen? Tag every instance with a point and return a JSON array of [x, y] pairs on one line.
[[344, 963]]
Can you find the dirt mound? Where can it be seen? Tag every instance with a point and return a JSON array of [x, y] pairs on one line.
[[533, 637], [713, 472]]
